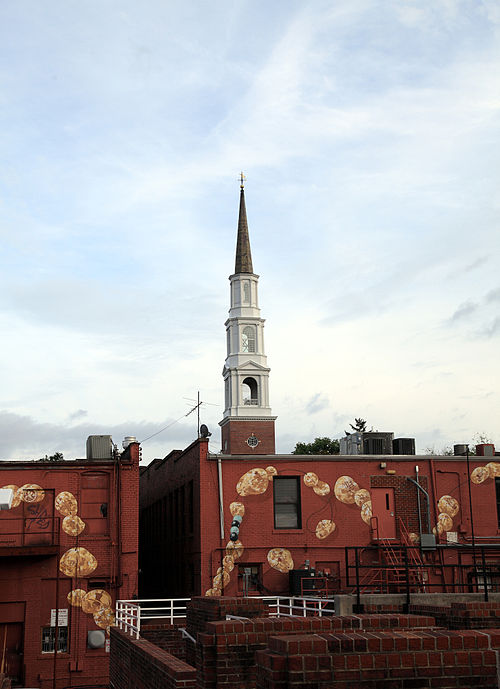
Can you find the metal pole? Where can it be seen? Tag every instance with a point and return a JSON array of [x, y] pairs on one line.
[[485, 583], [418, 504], [408, 478], [470, 500], [358, 607], [56, 633], [347, 567], [406, 608], [471, 517]]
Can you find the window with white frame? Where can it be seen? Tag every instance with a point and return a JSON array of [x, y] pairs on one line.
[[248, 339]]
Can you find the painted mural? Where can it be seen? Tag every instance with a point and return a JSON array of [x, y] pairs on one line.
[[77, 562], [347, 491], [256, 482]]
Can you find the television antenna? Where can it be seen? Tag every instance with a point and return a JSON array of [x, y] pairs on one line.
[[197, 407]]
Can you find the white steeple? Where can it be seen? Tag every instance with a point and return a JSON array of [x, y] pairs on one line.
[[246, 374]]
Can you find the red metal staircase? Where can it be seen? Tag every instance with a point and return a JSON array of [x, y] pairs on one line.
[[389, 573]]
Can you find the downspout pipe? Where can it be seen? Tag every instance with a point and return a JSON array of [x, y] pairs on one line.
[[418, 504], [428, 499], [221, 497]]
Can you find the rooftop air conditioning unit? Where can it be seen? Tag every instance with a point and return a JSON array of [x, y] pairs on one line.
[[352, 444], [485, 450], [375, 443], [99, 447], [403, 446]]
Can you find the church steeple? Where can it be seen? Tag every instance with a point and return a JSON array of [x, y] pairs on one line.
[[243, 263], [247, 424]]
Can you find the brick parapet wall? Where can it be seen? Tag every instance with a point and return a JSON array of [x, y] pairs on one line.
[[393, 660], [140, 664], [456, 615], [167, 637], [371, 651], [228, 651], [201, 610]]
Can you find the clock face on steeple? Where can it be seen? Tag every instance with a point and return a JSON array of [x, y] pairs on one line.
[[253, 441]]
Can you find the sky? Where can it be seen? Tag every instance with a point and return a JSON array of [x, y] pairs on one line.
[[369, 134]]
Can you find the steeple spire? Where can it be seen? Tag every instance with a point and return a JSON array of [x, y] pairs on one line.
[[243, 263], [247, 424]]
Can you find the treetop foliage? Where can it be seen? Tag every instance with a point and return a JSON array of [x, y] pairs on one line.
[[319, 446]]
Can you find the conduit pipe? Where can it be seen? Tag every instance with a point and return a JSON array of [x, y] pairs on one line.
[[221, 497]]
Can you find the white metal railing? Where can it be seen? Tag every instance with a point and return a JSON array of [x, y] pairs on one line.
[[296, 606], [130, 614], [128, 617]]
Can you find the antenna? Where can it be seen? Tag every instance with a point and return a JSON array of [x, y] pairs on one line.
[[197, 407]]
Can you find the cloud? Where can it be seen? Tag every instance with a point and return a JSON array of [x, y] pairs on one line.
[[491, 329], [493, 296], [23, 437], [464, 311], [317, 403], [78, 414]]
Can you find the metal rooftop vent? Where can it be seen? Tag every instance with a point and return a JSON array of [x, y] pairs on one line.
[[127, 440], [99, 447]]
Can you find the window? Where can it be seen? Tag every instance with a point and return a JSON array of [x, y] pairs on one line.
[[249, 578], [249, 392], [246, 292], [287, 513], [49, 639], [248, 339]]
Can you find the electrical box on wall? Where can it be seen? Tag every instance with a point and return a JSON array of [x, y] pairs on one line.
[[96, 638]]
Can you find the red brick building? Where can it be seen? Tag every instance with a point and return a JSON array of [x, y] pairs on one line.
[[241, 521], [302, 511], [69, 542]]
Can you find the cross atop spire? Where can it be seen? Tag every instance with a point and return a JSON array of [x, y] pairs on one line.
[[243, 263]]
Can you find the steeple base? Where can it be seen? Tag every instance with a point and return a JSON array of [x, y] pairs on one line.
[[244, 436]]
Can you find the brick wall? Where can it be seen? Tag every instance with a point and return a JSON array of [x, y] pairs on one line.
[[456, 615], [227, 654], [139, 664], [392, 660], [370, 651], [37, 585], [168, 637], [235, 434], [405, 499]]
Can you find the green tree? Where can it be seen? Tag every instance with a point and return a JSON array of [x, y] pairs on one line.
[[445, 451], [359, 425], [319, 446], [56, 457]]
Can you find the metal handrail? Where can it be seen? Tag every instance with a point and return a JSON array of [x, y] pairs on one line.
[[130, 614]]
